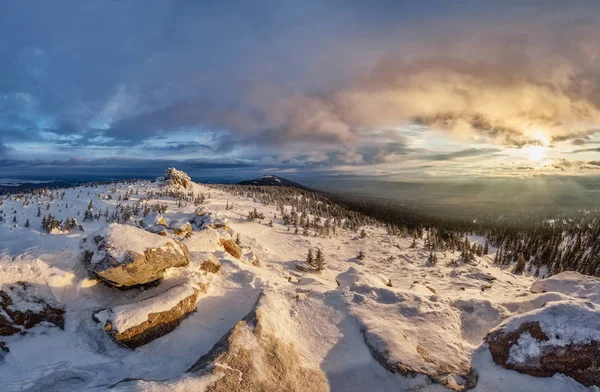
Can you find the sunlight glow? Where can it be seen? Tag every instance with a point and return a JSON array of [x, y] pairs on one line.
[[536, 153]]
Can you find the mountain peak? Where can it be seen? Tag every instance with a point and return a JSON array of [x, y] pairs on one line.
[[273, 180]]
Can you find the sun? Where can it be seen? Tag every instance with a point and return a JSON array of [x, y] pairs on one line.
[[536, 153]]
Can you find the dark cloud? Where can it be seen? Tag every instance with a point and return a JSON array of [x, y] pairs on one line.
[[5, 150], [263, 78], [596, 149], [466, 153], [181, 148]]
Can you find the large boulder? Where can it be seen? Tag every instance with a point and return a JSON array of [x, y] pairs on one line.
[[252, 357], [177, 178], [137, 324], [21, 308], [127, 256], [562, 337]]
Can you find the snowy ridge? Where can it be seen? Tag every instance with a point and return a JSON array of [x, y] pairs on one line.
[[425, 321]]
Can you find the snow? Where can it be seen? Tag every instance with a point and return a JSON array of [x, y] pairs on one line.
[[570, 283], [440, 310], [527, 348], [121, 239], [565, 322], [127, 316], [154, 218]]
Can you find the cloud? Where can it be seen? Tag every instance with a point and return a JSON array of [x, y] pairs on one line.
[[580, 150], [5, 150], [178, 148], [258, 84], [467, 153]]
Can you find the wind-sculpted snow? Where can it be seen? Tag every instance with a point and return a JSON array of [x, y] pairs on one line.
[[570, 283], [381, 316]]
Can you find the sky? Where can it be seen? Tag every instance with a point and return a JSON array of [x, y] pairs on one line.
[[394, 89]]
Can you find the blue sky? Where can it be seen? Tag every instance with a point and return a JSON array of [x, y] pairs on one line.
[[398, 89]]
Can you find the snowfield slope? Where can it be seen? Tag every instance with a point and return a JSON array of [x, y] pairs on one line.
[[389, 321]]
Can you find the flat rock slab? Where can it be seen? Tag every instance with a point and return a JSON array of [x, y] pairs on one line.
[[138, 324]]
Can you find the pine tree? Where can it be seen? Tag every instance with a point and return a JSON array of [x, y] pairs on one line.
[[310, 260], [361, 255], [520, 267], [319, 260], [27, 223]]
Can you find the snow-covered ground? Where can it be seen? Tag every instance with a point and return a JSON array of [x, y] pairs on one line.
[[431, 318]]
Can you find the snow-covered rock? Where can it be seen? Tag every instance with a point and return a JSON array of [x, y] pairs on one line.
[[256, 356], [181, 227], [177, 178], [212, 220], [570, 283], [140, 323], [154, 218], [126, 256], [21, 308], [562, 337], [201, 211], [411, 333]]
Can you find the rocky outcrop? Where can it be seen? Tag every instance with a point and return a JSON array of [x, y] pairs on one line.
[[22, 309], [177, 178], [250, 357], [210, 263], [231, 247], [562, 337], [126, 256], [138, 324]]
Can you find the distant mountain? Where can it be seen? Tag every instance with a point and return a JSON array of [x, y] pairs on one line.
[[271, 180]]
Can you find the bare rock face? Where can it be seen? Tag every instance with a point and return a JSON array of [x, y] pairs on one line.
[[126, 256], [22, 309], [551, 340], [138, 324], [251, 358], [231, 247], [211, 264], [174, 177]]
